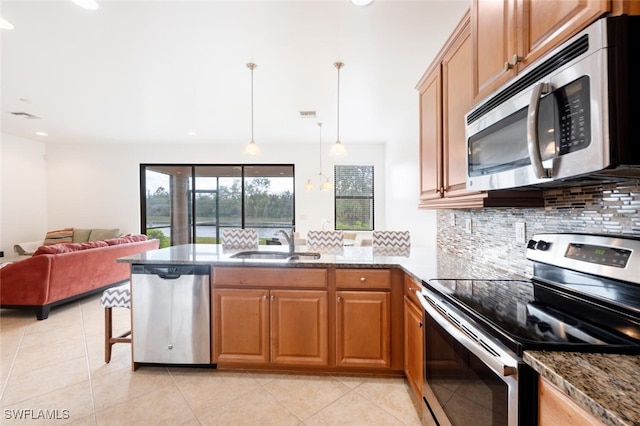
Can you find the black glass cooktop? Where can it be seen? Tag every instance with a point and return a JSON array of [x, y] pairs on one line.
[[526, 314]]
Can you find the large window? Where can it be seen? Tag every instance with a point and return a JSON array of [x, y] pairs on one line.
[[354, 198], [192, 203]]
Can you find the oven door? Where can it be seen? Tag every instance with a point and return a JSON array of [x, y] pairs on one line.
[[469, 379]]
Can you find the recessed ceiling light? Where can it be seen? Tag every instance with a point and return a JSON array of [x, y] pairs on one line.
[[361, 2], [6, 25], [192, 134], [42, 133], [87, 4]]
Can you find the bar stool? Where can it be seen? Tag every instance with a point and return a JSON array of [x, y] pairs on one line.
[[114, 297], [236, 238]]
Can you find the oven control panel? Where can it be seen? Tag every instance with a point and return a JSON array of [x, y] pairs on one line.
[[609, 256], [601, 255]]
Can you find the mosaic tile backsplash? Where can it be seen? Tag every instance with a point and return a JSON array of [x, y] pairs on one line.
[[491, 250]]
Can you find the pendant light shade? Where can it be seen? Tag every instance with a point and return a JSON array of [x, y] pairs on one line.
[[252, 149], [338, 150]]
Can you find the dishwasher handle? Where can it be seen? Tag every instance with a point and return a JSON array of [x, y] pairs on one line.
[[169, 276], [170, 272]]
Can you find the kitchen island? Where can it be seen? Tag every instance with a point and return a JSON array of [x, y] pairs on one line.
[[323, 309], [250, 288]]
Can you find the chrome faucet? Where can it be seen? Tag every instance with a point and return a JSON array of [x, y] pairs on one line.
[[290, 239]]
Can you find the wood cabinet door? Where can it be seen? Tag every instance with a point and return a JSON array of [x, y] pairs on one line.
[[363, 336], [494, 27], [546, 24], [431, 136], [299, 327], [556, 408], [413, 346], [457, 99], [240, 326]]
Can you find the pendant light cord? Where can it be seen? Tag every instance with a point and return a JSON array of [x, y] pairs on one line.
[[251, 66], [338, 65], [320, 126]]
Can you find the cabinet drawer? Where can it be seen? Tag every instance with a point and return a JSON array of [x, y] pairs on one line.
[[363, 278], [270, 277], [410, 287]]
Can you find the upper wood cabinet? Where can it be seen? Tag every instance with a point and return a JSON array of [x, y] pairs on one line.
[[446, 94], [509, 34]]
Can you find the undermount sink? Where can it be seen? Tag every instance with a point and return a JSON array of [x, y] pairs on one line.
[[275, 255]]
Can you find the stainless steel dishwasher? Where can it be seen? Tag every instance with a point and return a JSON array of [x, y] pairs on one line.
[[171, 319]]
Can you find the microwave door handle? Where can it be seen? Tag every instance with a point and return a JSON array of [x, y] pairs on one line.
[[533, 144]]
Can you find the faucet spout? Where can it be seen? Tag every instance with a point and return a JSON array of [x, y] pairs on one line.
[[290, 239]]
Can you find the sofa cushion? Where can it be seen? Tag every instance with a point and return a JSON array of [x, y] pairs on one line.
[[135, 237], [103, 234], [51, 249], [93, 244], [116, 241], [81, 235], [59, 236]]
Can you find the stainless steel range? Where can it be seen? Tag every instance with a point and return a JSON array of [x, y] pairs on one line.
[[584, 296]]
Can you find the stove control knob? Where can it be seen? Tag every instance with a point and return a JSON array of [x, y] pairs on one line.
[[542, 245], [532, 244]]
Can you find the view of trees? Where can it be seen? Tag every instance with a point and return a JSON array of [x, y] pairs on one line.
[[354, 197], [262, 206]]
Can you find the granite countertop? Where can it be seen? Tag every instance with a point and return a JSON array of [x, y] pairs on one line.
[[606, 385], [417, 261]]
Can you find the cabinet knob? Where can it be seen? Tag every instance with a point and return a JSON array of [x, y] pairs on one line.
[[273, 297], [265, 297], [420, 324], [362, 279], [515, 59], [339, 299]]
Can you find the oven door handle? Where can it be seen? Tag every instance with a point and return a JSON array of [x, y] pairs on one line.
[[501, 364], [533, 145]]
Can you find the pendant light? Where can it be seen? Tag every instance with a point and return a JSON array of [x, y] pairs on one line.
[[325, 183], [338, 150], [252, 149]]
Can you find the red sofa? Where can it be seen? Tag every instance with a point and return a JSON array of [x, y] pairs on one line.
[[61, 273]]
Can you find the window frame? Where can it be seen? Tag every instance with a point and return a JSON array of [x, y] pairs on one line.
[[338, 197], [193, 191]]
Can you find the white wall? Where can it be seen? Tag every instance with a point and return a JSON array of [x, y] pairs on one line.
[[23, 193], [98, 185]]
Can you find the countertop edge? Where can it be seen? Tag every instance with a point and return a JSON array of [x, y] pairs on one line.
[[599, 383]]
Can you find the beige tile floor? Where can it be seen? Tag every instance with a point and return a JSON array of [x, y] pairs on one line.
[[55, 368]]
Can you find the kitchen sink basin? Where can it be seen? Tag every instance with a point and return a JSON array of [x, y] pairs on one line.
[[275, 255]]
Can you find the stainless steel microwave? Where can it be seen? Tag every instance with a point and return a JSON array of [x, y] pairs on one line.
[[574, 114]]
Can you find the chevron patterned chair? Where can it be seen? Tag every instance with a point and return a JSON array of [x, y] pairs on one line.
[[240, 238], [391, 239], [325, 238], [114, 297]]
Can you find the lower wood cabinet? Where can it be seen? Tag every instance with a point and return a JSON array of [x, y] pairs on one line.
[[556, 408], [413, 346], [363, 329], [257, 326]]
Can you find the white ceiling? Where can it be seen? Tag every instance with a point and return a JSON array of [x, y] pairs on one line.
[[152, 71]]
